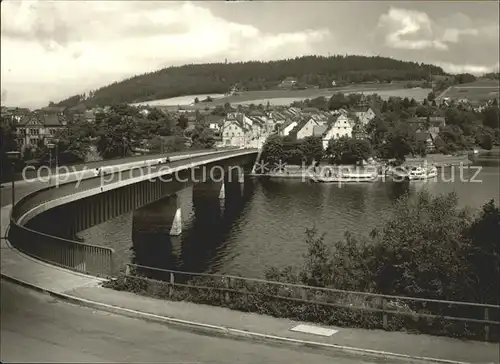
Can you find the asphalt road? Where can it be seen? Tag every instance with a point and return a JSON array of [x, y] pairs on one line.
[[131, 159], [70, 188], [35, 327]]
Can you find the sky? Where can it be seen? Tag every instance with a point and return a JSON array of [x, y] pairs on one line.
[[52, 50]]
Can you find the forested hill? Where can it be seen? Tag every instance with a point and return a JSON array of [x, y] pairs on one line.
[[219, 77]]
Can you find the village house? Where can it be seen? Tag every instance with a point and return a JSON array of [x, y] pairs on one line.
[[428, 138], [235, 132], [287, 128], [306, 128], [365, 116], [39, 128], [341, 127]]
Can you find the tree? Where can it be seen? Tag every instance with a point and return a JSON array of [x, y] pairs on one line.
[[346, 150], [118, 132], [273, 151], [431, 96], [357, 151], [317, 266], [202, 137], [7, 143], [196, 100], [486, 142], [422, 111], [182, 122], [484, 256], [312, 149], [491, 117], [73, 143]]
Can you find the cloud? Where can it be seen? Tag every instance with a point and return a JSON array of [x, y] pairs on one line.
[[409, 29], [71, 46], [415, 30], [468, 68]]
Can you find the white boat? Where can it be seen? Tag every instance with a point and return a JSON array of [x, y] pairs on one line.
[[418, 173], [345, 178]]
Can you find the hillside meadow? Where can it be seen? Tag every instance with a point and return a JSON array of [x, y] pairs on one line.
[[286, 97]]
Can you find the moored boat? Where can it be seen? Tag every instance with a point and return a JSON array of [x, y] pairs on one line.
[[349, 177], [405, 173], [418, 173]]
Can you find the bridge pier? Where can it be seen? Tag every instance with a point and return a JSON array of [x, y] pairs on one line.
[[175, 213], [162, 216], [234, 180]]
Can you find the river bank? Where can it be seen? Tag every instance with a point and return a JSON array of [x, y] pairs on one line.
[[296, 172]]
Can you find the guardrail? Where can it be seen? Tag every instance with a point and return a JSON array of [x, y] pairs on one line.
[[326, 305], [85, 258], [80, 257], [74, 255]]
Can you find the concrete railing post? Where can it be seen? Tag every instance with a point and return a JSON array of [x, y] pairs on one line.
[[171, 286], [486, 327], [384, 314], [227, 298]]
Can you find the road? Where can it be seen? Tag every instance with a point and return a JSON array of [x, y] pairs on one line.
[[70, 188], [37, 327], [107, 162]]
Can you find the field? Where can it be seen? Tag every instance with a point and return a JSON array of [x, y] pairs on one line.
[[286, 97], [480, 90]]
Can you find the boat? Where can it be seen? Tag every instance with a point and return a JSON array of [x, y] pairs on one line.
[[418, 173], [345, 178], [405, 173]]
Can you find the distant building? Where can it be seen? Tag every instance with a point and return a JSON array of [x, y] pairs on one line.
[[365, 117], [288, 82]]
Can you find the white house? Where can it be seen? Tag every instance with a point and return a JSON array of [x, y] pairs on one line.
[[288, 127], [341, 127], [306, 129], [365, 117], [235, 132]]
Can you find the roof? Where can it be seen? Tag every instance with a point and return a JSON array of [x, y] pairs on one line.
[[422, 136], [319, 130], [257, 120], [53, 109], [256, 113], [434, 120], [288, 123], [310, 110], [214, 119]]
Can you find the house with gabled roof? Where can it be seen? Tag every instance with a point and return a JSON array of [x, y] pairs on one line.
[[340, 127], [235, 132], [306, 128], [38, 127], [286, 128]]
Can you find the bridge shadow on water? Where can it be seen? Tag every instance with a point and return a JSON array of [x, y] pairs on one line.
[[203, 237]]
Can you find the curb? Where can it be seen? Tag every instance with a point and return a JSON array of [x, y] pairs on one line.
[[224, 331]]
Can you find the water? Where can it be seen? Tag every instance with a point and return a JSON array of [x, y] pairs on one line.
[[266, 226]]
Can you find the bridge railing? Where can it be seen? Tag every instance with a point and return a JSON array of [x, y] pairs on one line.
[[85, 258], [325, 305], [74, 255]]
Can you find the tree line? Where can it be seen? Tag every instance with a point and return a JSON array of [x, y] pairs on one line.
[[220, 77]]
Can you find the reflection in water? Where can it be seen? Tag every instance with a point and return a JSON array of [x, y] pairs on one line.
[[266, 226], [203, 236]]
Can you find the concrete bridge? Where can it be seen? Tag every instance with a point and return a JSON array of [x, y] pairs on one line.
[[78, 205]]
